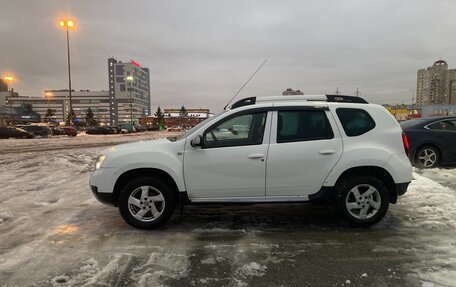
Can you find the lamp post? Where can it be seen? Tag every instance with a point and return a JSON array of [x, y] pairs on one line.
[[130, 80], [8, 80], [68, 24], [48, 95]]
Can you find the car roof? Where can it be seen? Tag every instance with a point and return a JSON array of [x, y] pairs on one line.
[[421, 122]]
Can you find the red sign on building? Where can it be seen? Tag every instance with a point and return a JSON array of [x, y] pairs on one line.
[[135, 63]]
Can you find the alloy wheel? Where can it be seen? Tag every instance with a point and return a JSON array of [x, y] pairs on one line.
[[427, 157], [146, 203], [363, 201]]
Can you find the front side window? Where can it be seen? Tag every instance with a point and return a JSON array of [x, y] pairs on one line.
[[448, 125], [303, 125], [355, 121], [246, 129]]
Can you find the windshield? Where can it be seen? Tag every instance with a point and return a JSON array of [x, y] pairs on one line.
[[190, 131]]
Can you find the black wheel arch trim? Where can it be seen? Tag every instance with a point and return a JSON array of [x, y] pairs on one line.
[[127, 176]]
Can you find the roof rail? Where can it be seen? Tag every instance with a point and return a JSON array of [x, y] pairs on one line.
[[244, 102], [308, 98], [346, 99]]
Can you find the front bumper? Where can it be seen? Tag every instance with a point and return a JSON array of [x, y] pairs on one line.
[[102, 183], [105, 198]]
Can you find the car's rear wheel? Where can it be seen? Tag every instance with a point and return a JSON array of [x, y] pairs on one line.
[[361, 200], [146, 203], [427, 157]]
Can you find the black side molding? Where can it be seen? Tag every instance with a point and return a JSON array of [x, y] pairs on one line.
[[105, 198]]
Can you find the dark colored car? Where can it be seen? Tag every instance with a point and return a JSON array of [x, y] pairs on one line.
[[70, 131], [116, 129], [43, 131], [104, 130], [432, 140], [57, 131], [13, 132], [153, 128], [140, 128]]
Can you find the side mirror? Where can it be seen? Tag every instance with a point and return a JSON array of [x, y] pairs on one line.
[[198, 141]]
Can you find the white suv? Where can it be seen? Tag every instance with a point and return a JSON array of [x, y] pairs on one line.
[[271, 149]]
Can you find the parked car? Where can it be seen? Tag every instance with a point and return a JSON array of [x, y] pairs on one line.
[[140, 128], [13, 132], [432, 140], [153, 128], [70, 131], [56, 131], [174, 129], [127, 128], [292, 149], [116, 129], [102, 130], [42, 131]]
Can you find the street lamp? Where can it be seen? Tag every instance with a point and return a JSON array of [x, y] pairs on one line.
[[68, 24], [48, 96], [8, 80], [130, 79]]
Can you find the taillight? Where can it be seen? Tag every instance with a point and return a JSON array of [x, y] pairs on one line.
[[406, 143]]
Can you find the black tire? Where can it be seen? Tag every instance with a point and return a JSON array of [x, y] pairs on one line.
[[342, 199], [166, 207], [427, 157]]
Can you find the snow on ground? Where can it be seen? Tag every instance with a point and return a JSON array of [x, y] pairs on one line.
[[51, 226], [81, 140]]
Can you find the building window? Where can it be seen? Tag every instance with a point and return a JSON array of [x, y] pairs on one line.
[[119, 70], [122, 87], [120, 79]]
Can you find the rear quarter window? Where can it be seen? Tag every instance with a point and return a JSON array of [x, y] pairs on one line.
[[355, 121]]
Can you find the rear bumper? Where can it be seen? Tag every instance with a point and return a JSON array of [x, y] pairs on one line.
[[401, 188]]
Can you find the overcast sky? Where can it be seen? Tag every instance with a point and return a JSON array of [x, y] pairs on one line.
[[201, 52]]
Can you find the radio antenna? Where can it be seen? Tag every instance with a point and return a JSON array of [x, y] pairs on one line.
[[245, 84]]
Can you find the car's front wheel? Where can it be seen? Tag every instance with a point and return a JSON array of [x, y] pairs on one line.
[[362, 200], [146, 203]]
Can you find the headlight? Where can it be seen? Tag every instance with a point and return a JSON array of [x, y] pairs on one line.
[[100, 160]]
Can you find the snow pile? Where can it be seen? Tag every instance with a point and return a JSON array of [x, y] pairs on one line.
[[430, 209], [428, 204], [4, 216], [253, 269], [86, 272], [438, 260]]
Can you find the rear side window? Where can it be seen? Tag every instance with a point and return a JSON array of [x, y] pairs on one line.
[[355, 121], [448, 125], [303, 125]]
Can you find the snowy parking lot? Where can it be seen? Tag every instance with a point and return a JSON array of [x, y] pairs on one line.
[[53, 232]]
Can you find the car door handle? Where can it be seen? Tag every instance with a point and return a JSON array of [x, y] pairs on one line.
[[327, 151], [256, 156]]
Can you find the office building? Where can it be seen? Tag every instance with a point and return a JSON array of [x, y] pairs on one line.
[[58, 102], [436, 84], [291, 92], [172, 117], [129, 91]]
